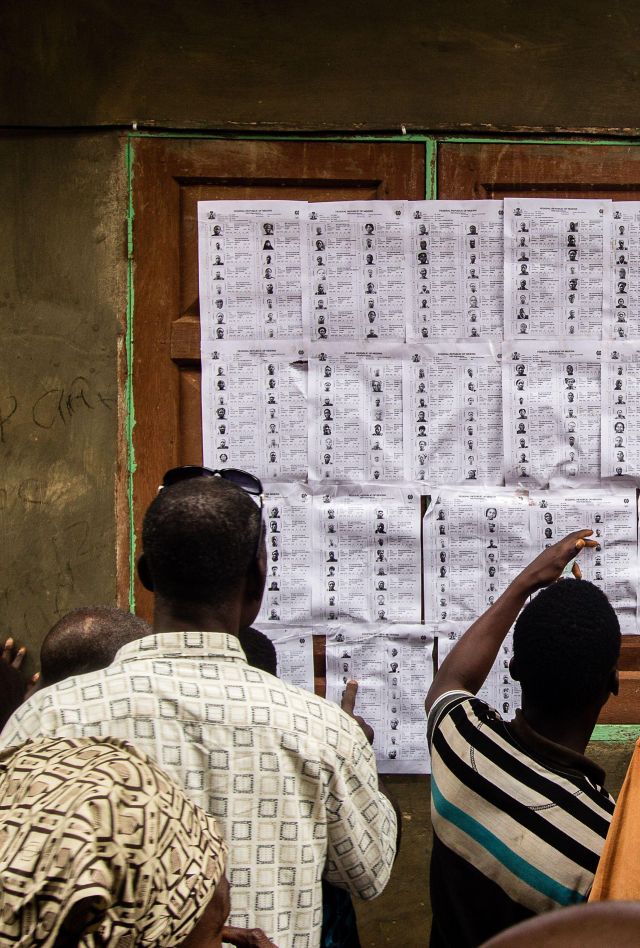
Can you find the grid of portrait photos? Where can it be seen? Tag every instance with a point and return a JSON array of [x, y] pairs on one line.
[[431, 392]]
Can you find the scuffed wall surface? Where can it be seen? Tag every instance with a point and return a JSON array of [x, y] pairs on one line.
[[62, 282], [466, 65]]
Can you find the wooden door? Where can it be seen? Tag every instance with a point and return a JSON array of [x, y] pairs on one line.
[[573, 171], [169, 177], [563, 170]]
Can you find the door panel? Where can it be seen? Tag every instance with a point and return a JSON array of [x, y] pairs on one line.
[[573, 171], [169, 177], [468, 171]]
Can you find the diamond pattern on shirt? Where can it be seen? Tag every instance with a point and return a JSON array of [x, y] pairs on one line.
[[290, 777]]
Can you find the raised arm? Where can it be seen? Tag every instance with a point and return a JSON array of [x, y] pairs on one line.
[[470, 661]]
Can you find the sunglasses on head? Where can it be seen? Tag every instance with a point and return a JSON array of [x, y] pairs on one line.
[[247, 482]]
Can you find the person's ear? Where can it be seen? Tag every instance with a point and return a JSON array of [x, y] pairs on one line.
[[258, 570], [144, 573], [614, 682], [254, 584], [513, 669]]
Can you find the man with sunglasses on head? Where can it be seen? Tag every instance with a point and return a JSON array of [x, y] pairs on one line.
[[290, 777]]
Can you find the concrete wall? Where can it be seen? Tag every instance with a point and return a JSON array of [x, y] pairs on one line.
[[62, 302]]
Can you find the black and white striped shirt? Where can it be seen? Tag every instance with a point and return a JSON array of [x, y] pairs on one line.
[[519, 822]]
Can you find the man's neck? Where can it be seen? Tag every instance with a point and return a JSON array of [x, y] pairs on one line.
[[185, 617], [574, 732]]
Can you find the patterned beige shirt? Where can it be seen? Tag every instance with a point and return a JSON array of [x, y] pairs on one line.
[[290, 777]]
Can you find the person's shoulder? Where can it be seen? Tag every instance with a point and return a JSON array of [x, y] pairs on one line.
[[68, 691], [54, 705], [460, 710], [32, 719]]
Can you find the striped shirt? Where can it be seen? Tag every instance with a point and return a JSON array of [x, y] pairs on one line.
[[519, 822]]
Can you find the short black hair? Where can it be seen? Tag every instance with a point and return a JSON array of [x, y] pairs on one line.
[[199, 538], [566, 643], [259, 649], [85, 640]]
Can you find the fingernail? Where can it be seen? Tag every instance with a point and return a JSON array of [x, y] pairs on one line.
[[8, 643], [22, 651], [36, 677]]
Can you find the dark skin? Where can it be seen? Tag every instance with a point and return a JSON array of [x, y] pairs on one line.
[[207, 932], [469, 663], [210, 930], [583, 926], [14, 687], [237, 612]]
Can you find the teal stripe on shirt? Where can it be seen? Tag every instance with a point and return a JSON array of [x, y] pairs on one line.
[[512, 861]]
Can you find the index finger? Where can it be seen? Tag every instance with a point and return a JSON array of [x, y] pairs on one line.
[[348, 702], [19, 657], [570, 546], [581, 543], [578, 540], [578, 535]]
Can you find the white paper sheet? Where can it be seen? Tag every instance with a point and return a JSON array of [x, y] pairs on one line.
[[556, 267], [355, 412], [475, 542], [620, 425], [254, 412], [611, 514], [499, 690], [455, 261], [356, 256], [294, 652], [366, 554], [394, 670], [452, 395], [624, 249], [551, 412], [252, 268], [288, 523]]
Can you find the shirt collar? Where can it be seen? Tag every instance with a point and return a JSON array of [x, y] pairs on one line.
[[191, 644], [556, 756]]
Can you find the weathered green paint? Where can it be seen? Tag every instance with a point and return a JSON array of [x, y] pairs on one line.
[[130, 415], [616, 733], [430, 140], [431, 169], [540, 140]]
